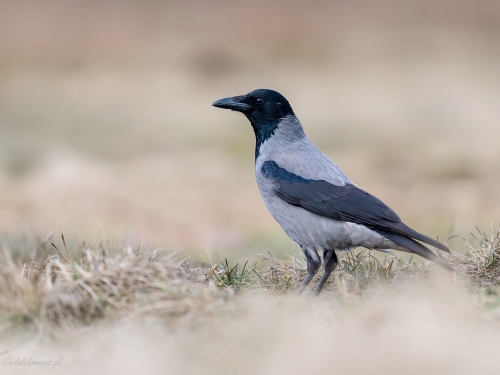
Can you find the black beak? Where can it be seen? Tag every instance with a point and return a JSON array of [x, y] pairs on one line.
[[236, 103]]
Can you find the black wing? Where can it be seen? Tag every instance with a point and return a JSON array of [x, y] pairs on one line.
[[347, 203]]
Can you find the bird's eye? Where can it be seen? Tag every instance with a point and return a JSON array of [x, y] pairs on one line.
[[259, 101]]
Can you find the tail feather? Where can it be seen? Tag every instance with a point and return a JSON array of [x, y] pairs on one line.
[[405, 231], [409, 245]]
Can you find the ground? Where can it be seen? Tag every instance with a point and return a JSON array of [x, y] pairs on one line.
[[126, 309]]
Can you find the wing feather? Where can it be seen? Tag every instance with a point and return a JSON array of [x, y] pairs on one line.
[[345, 202]]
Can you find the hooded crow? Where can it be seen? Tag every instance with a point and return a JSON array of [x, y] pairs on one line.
[[315, 203]]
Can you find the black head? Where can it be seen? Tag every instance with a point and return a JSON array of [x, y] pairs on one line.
[[264, 108]]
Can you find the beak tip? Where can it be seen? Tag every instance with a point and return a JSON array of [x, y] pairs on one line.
[[223, 103]]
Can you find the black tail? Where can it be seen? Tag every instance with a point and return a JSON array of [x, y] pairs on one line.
[[405, 231], [412, 246]]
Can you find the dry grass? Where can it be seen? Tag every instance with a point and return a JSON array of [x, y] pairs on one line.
[[68, 290], [123, 309], [54, 288], [481, 262]]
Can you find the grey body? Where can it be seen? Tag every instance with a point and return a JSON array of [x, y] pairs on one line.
[[291, 150], [311, 198]]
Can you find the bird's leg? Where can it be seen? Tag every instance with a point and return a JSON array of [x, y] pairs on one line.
[[330, 260], [313, 264]]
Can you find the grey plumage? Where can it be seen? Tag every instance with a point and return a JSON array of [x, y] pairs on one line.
[[311, 198]]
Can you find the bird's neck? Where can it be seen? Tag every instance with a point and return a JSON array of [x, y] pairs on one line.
[[274, 135], [263, 130]]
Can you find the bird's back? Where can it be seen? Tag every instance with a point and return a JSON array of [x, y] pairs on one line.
[[291, 149]]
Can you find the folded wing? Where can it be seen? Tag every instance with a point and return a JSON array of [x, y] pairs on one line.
[[348, 203]]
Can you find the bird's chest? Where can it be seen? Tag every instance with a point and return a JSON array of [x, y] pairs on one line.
[[266, 187]]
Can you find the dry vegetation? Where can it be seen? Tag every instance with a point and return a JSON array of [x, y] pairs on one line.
[[53, 288], [104, 306]]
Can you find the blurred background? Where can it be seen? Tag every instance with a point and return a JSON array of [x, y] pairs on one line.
[[107, 129]]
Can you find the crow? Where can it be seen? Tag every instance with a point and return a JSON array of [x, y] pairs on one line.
[[314, 202]]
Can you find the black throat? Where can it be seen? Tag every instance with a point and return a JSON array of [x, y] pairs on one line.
[[263, 131]]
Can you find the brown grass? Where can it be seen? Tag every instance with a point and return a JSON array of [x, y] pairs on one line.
[[180, 317], [61, 289]]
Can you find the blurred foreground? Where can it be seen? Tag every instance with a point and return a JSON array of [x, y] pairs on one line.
[[123, 310], [417, 330]]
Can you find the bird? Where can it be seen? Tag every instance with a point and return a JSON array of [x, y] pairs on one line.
[[311, 198]]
